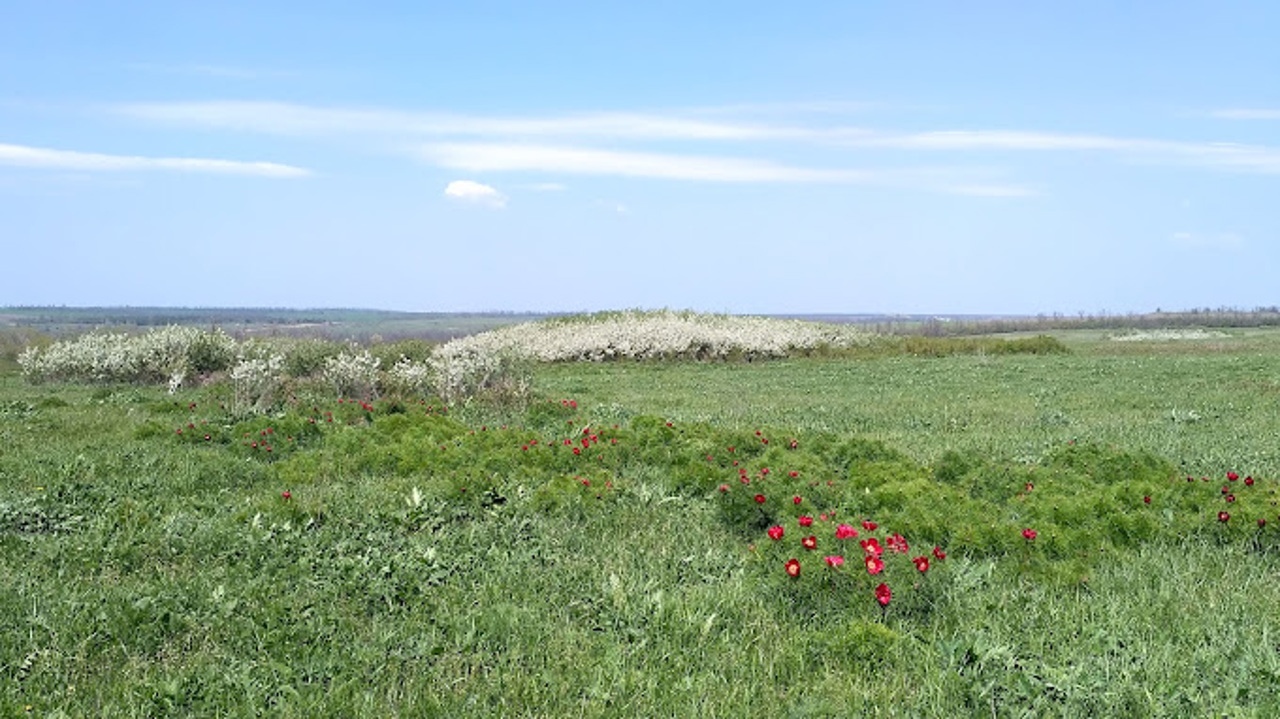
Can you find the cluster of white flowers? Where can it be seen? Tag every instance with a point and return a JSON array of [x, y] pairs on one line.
[[166, 354], [464, 372], [257, 381], [407, 378], [354, 373], [1168, 335], [656, 335]]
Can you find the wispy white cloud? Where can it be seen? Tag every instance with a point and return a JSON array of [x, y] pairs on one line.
[[1211, 240], [293, 119], [496, 157], [1243, 113], [39, 157], [545, 187], [209, 70], [475, 193], [990, 190], [1244, 158]]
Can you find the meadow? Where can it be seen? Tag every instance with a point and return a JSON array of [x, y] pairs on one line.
[[886, 529]]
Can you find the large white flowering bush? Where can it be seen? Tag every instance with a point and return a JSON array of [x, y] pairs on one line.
[[353, 373], [168, 354], [663, 334]]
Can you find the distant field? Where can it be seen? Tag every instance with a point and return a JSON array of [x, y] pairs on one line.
[[339, 324]]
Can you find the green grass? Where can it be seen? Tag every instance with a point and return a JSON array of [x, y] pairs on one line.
[[146, 573]]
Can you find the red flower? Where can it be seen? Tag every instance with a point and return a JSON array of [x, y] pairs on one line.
[[922, 563], [805, 521], [286, 495], [724, 488], [1223, 517], [844, 531], [759, 499], [872, 547], [1262, 523], [794, 474], [869, 525], [1146, 500], [796, 500], [809, 542], [1248, 481], [793, 568], [939, 554], [835, 561], [1029, 534], [775, 533], [883, 595], [1230, 498], [897, 543], [874, 564], [1232, 476]]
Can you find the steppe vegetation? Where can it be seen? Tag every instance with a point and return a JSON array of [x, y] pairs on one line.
[[714, 518]]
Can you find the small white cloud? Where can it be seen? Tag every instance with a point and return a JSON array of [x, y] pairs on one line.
[[475, 193]]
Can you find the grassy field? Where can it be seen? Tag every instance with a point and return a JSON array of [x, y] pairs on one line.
[[404, 561]]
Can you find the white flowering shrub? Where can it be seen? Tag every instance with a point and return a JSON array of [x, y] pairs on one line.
[[258, 382], [463, 373], [168, 354], [657, 335], [354, 373], [407, 378]]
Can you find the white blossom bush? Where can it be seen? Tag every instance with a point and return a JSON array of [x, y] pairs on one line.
[[168, 354], [463, 373], [664, 334], [353, 373], [258, 382], [407, 378]]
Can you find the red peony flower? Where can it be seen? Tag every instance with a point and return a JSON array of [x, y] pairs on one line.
[[1029, 534], [809, 542], [793, 568], [874, 564], [883, 595], [724, 488], [1232, 476], [922, 563], [286, 494], [897, 543], [1248, 481], [835, 561], [939, 554], [1262, 523], [844, 531], [796, 500], [1146, 500], [805, 521], [869, 525], [794, 474], [1223, 517], [775, 533], [759, 499], [872, 547], [1230, 497]]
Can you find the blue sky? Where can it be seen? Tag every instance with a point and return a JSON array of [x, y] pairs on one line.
[[915, 157]]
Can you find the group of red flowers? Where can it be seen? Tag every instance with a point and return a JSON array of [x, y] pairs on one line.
[[873, 552]]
